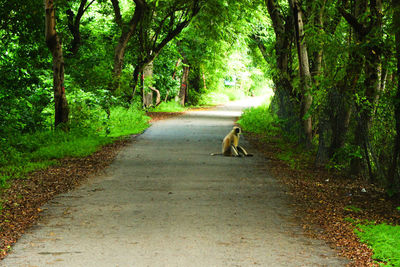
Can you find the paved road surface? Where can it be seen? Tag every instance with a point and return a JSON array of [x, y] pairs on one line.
[[166, 202]]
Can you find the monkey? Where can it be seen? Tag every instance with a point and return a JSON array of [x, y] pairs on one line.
[[230, 145]]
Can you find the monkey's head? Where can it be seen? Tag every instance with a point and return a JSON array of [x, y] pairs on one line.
[[237, 130]]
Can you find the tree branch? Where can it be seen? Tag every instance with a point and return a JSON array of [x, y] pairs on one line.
[[88, 6], [358, 27], [117, 12]]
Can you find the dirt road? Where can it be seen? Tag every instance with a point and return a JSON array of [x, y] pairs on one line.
[[166, 202]]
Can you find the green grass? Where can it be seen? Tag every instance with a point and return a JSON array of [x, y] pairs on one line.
[[259, 120], [22, 154], [171, 106], [127, 121], [76, 146], [384, 240]]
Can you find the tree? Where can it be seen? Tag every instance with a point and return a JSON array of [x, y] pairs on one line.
[[160, 23], [393, 175], [74, 22], [283, 79], [183, 92], [54, 44], [370, 34], [127, 31], [304, 72]]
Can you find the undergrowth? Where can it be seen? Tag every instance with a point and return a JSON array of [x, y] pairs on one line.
[[384, 240], [171, 106], [259, 120], [21, 154]]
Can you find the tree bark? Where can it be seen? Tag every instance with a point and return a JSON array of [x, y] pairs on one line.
[[54, 44], [158, 95], [204, 81], [147, 83], [305, 74], [74, 23], [184, 83], [393, 175], [317, 55], [341, 98], [127, 32], [322, 156], [372, 52], [284, 93]]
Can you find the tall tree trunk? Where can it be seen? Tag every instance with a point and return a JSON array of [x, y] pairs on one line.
[[317, 55], [283, 80], [184, 83], [342, 96], [340, 100], [322, 156], [135, 80], [305, 74], [147, 77], [203, 75], [127, 32], [54, 44], [372, 52], [393, 175]]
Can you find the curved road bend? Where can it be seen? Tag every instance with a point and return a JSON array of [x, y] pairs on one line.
[[166, 202]]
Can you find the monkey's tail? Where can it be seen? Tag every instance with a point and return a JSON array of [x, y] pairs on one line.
[[216, 154]]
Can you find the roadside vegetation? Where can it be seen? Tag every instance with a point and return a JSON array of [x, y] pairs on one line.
[[24, 153]]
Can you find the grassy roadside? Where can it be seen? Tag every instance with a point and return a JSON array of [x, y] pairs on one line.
[[354, 216], [21, 154]]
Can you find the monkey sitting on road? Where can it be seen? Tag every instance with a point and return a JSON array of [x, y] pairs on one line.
[[230, 145]]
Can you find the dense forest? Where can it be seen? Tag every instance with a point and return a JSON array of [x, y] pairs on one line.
[[72, 69]]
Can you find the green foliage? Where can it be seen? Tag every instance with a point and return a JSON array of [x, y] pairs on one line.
[[167, 86], [384, 240], [344, 156], [289, 158], [165, 65], [21, 154], [259, 120], [125, 121], [171, 106], [60, 144]]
